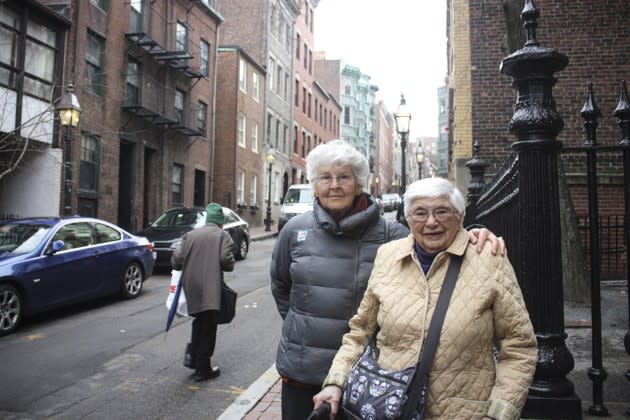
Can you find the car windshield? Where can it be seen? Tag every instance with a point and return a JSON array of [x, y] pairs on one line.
[[299, 195], [179, 219], [21, 237]]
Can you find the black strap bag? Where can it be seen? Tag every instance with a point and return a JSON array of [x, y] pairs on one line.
[[375, 393], [228, 304]]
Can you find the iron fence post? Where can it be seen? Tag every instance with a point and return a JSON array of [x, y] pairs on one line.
[[596, 372], [536, 125], [477, 168], [622, 112]]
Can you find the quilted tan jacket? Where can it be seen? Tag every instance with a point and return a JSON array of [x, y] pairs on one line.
[[487, 304]]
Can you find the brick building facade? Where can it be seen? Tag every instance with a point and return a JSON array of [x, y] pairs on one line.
[[595, 39]]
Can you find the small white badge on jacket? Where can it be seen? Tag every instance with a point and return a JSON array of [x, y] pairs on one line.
[[301, 236]]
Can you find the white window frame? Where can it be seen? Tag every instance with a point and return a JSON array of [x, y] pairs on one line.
[[270, 73], [242, 75], [255, 137], [253, 191], [256, 86], [242, 129], [240, 187]]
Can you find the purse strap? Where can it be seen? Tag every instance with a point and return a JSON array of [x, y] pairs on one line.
[[421, 376]]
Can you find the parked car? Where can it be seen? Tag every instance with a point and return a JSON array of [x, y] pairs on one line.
[[168, 229], [297, 200], [390, 201], [52, 262]]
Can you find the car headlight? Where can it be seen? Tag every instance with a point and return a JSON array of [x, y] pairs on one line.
[[175, 244]]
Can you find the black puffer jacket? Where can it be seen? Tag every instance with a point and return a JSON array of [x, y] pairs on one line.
[[319, 272]]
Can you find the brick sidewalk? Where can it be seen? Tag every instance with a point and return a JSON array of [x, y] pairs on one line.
[[268, 407]]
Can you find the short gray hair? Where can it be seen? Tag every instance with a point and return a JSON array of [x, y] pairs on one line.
[[432, 188], [337, 152]]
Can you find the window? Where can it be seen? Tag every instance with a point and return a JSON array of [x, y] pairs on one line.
[[310, 24], [310, 99], [279, 80], [287, 41], [287, 90], [305, 55], [136, 20], [304, 100], [133, 82], [94, 63], [303, 154], [277, 133], [297, 46], [346, 115], [202, 118], [295, 139], [101, 4], [270, 75], [199, 193], [104, 233], [255, 137], [253, 190], [181, 37], [204, 58], [255, 86], [242, 126], [347, 89], [310, 62], [316, 105], [242, 75], [89, 163], [272, 20], [177, 184], [297, 92], [179, 105], [285, 135], [240, 187]]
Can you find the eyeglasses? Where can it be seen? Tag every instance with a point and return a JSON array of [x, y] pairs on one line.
[[441, 214], [342, 179]]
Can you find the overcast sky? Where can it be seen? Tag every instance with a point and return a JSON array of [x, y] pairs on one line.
[[400, 44]]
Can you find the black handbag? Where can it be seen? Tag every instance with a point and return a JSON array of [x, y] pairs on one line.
[[375, 393], [228, 304]]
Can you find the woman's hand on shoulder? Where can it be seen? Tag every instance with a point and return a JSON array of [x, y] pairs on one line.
[[330, 394], [479, 236]]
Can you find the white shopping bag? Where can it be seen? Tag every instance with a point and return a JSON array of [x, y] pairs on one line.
[[182, 307]]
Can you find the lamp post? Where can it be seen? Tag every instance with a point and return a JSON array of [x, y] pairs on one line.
[[69, 111], [403, 118], [419, 158], [270, 157]]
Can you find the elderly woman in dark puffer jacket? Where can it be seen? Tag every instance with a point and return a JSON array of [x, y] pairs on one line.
[[320, 267]]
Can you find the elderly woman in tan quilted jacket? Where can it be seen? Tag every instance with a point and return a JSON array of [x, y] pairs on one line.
[[487, 306]]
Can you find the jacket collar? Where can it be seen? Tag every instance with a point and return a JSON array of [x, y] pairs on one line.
[[355, 223]]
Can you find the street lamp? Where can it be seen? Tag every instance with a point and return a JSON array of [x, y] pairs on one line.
[[403, 118], [419, 158], [69, 111], [270, 157]]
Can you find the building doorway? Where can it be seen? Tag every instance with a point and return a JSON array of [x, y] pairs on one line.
[[126, 186]]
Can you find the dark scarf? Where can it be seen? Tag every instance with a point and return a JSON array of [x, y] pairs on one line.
[[425, 258]]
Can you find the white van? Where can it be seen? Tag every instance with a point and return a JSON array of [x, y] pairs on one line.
[[298, 200]]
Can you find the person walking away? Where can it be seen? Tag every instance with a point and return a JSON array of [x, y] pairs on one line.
[[203, 255], [320, 266]]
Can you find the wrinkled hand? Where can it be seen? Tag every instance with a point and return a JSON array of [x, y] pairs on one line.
[[480, 236], [332, 395]]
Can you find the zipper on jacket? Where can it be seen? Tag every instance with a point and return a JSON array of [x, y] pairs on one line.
[[355, 304]]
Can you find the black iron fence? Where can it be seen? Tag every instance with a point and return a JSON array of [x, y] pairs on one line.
[[612, 245], [522, 203]]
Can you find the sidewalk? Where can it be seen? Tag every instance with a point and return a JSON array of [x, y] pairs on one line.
[[261, 401]]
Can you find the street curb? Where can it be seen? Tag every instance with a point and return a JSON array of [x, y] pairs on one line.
[[250, 397], [263, 236]]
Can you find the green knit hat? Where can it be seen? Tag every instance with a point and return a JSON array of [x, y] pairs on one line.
[[214, 214]]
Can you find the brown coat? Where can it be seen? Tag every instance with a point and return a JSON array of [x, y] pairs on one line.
[[487, 304], [203, 255]]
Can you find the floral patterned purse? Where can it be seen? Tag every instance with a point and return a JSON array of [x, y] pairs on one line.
[[373, 393]]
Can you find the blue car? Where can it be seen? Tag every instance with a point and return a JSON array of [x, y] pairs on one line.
[[51, 262]]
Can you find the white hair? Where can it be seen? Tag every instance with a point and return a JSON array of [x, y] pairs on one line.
[[337, 152], [433, 188]]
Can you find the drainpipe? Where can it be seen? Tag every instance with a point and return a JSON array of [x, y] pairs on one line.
[[214, 115]]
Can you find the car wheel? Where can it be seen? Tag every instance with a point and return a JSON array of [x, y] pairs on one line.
[[10, 309], [132, 281], [243, 248]]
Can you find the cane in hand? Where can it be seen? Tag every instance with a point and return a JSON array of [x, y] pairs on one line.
[[320, 413]]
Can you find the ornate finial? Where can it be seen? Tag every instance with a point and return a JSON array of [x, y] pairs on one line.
[[590, 112], [529, 15], [402, 98], [476, 148], [622, 112]]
